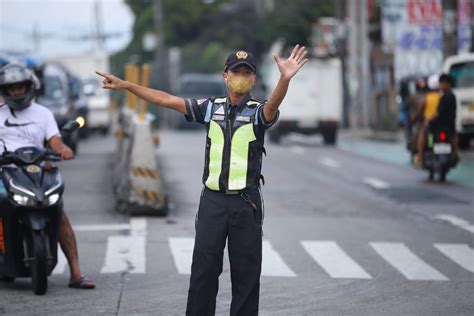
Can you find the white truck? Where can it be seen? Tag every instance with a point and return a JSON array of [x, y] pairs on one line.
[[99, 115], [461, 68], [314, 102]]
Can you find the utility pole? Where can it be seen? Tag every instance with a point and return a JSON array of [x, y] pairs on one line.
[[160, 72], [36, 35], [99, 36], [359, 76], [341, 43]]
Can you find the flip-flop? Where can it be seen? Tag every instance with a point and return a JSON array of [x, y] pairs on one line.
[[82, 283]]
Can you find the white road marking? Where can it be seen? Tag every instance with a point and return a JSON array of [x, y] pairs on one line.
[[138, 226], [406, 262], [329, 162], [376, 183], [334, 260], [297, 150], [182, 251], [105, 227], [62, 263], [125, 253], [272, 263], [459, 222], [462, 254]]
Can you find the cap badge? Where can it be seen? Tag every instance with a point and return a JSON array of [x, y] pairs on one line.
[[241, 54]]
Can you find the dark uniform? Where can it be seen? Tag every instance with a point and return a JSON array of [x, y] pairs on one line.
[[446, 118], [231, 205]]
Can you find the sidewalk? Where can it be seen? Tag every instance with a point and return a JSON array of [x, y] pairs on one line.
[[370, 134]]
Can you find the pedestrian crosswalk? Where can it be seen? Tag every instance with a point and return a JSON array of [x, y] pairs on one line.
[[127, 253], [406, 262], [334, 260]]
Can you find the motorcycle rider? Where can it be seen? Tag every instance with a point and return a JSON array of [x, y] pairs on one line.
[[426, 110], [443, 118], [24, 122]]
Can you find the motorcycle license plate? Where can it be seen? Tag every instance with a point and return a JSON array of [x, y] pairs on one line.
[[442, 148]]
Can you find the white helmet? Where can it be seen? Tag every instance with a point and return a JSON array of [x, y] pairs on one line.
[[433, 82]]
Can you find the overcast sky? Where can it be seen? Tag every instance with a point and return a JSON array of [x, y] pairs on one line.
[[59, 21]]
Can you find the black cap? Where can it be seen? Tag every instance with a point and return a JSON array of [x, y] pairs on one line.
[[240, 58], [446, 78]]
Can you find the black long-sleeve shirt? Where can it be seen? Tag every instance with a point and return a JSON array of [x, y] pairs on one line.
[[446, 118]]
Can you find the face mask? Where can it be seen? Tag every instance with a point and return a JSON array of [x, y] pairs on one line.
[[240, 84]]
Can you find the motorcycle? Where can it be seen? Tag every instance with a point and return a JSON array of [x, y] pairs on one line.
[[30, 213], [439, 155]]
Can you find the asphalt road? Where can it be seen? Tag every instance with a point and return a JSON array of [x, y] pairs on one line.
[[351, 230]]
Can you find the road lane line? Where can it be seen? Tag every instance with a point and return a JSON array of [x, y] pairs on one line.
[[329, 162], [62, 263], [105, 227], [462, 254], [297, 150], [376, 183], [456, 221], [182, 251], [334, 260], [272, 263], [406, 262], [125, 253]]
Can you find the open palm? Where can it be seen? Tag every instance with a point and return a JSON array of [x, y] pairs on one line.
[[289, 67]]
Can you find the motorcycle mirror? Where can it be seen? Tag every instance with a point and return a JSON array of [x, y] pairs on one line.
[[72, 126]]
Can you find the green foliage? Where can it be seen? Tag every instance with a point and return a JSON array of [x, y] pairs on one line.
[[207, 32]]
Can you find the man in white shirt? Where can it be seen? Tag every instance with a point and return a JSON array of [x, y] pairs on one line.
[[26, 123]]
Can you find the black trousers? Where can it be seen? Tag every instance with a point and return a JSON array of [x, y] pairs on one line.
[[222, 216]]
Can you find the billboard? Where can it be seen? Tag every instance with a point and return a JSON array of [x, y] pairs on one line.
[[413, 30], [464, 25]]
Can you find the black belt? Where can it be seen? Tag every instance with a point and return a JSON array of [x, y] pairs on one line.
[[234, 192]]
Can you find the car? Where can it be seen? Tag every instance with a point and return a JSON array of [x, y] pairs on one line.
[[57, 95], [80, 103], [199, 86]]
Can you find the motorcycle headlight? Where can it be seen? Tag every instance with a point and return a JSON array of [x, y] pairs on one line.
[[53, 198], [21, 199]]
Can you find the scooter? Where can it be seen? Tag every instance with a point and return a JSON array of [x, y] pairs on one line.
[[30, 213], [439, 155]]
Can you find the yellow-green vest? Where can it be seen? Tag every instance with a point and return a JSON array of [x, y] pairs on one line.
[[234, 146]]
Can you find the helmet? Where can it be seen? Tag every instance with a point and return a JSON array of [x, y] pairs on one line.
[[12, 74], [433, 82]]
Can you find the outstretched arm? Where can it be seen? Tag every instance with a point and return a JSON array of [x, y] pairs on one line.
[[157, 97], [288, 68]]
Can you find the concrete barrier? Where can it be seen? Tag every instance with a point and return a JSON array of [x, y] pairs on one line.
[[137, 182]]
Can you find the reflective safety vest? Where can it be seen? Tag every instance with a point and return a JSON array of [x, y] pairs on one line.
[[234, 148]]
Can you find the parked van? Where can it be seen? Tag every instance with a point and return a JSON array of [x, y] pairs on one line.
[[98, 101], [461, 68], [314, 101]]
